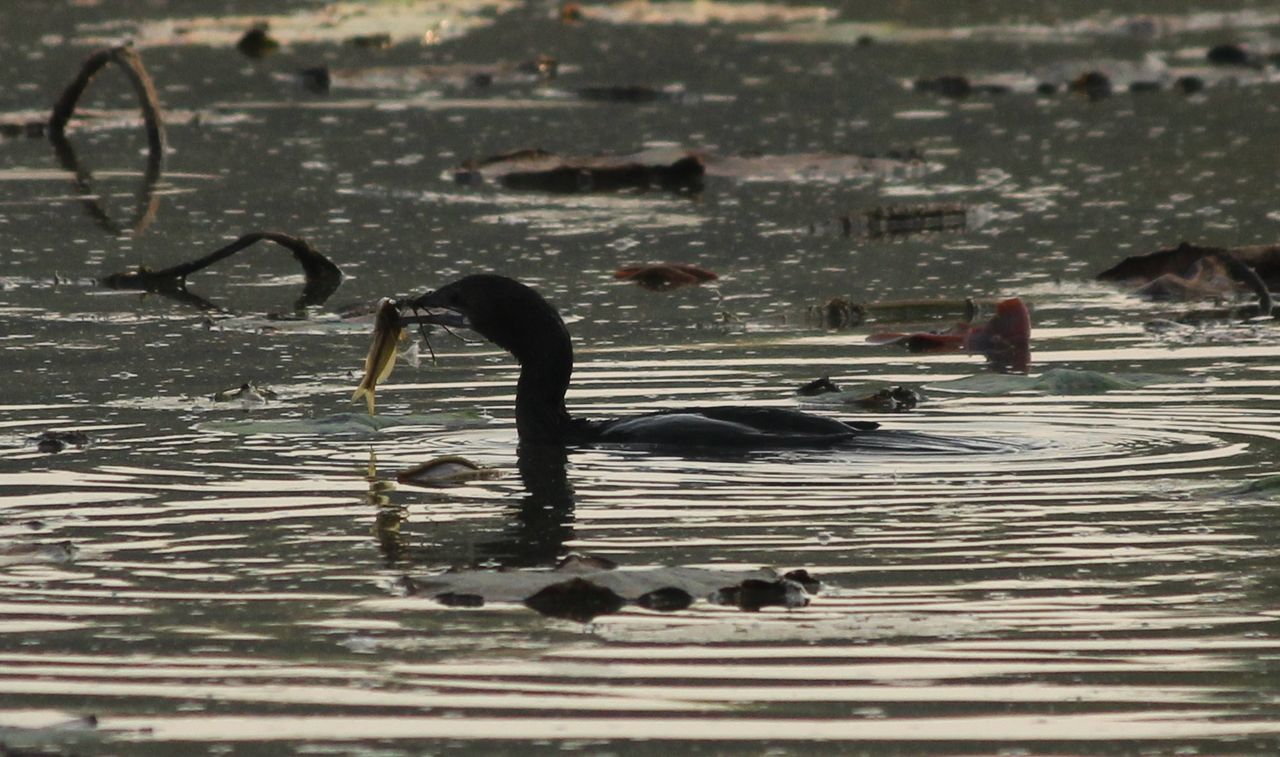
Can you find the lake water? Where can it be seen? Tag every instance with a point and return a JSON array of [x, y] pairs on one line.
[[1100, 574]]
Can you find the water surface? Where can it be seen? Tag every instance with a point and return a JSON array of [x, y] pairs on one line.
[[1102, 577]]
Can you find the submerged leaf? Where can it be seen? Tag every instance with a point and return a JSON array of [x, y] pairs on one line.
[[442, 471], [576, 599]]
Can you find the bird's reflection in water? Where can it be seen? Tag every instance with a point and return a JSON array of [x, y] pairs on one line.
[[539, 523], [542, 520]]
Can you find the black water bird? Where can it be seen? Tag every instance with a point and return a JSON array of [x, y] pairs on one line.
[[519, 320]]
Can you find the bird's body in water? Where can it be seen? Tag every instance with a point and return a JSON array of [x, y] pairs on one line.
[[519, 320]]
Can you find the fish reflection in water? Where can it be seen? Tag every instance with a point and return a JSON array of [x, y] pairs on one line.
[[540, 521]]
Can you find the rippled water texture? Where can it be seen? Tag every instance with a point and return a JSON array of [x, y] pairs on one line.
[[1085, 559]]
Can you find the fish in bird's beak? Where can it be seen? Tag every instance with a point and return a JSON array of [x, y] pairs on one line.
[[388, 330]]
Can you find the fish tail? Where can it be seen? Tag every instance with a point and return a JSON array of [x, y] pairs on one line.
[[367, 394]]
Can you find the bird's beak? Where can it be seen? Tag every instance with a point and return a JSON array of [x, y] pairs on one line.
[[423, 310]]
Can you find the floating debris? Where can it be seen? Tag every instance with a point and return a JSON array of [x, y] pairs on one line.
[[1094, 85], [754, 594], [895, 399], [257, 43], [570, 13], [453, 599], [1193, 272], [379, 41], [822, 167], [681, 170], [1005, 340], [539, 170], [666, 599], [1232, 55], [818, 386], [322, 276], [321, 80], [1099, 78], [1264, 308], [898, 399], [807, 581], [898, 220], [316, 80], [247, 394], [906, 219], [52, 442], [1182, 269], [576, 599], [694, 13], [663, 276], [837, 313], [382, 352], [578, 591], [1188, 84], [445, 471]]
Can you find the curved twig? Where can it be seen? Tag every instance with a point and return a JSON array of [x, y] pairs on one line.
[[131, 64], [322, 276], [149, 104]]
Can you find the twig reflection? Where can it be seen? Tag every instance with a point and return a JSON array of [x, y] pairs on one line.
[[147, 201]]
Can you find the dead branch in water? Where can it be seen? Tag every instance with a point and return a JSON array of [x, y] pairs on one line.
[[1247, 275], [131, 64], [322, 276], [149, 104]]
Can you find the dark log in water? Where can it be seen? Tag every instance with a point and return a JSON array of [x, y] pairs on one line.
[[907, 219], [900, 220], [257, 43], [818, 386], [539, 170], [322, 276], [1180, 260], [1263, 308], [662, 276]]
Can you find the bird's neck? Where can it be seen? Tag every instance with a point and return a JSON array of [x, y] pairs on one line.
[[544, 377]]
